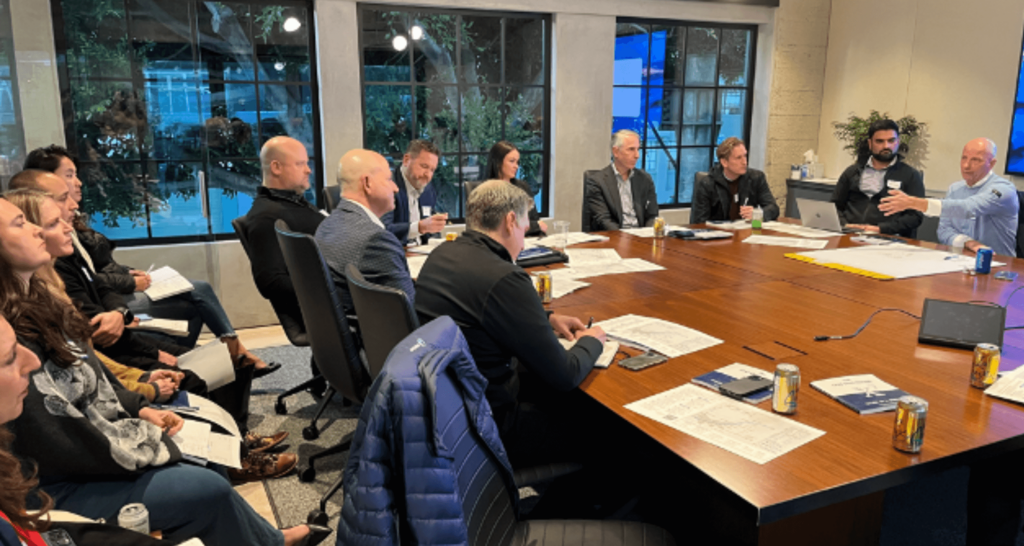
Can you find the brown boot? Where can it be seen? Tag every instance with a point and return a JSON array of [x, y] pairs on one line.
[[259, 444], [262, 466]]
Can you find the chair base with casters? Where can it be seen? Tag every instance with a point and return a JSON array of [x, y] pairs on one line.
[[308, 474]]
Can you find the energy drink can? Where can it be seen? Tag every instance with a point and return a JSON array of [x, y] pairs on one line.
[[908, 430], [983, 261], [659, 227], [786, 388], [451, 236], [135, 517], [544, 286], [986, 365]]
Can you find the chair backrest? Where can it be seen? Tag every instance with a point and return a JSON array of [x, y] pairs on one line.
[[1020, 225], [334, 349], [332, 194], [586, 214], [385, 317], [293, 328], [698, 176]]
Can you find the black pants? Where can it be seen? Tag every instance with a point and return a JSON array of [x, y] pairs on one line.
[[994, 493]]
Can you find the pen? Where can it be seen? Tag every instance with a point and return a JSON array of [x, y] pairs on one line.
[[150, 270], [745, 199], [590, 323]]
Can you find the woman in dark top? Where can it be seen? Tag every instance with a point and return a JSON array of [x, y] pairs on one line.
[[503, 164]]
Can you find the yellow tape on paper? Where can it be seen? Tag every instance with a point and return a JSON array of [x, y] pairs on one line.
[[841, 267]]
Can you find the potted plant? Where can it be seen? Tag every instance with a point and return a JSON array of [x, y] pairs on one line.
[[854, 133]]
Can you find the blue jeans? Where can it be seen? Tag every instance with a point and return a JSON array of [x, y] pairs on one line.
[[183, 500], [198, 307]]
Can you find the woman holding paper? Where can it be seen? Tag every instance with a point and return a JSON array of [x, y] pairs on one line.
[[96, 445], [199, 306]]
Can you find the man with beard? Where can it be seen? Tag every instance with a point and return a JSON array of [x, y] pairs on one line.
[[412, 221], [980, 210], [864, 184]]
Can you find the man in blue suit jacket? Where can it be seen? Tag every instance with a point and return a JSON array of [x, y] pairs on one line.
[[354, 233], [413, 219]]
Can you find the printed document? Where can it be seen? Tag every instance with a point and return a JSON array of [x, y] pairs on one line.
[[734, 426], [648, 232], [573, 238], [667, 338], [738, 224], [193, 405], [786, 241], [899, 261], [607, 355], [415, 265], [800, 230], [629, 265], [1009, 386], [211, 362], [167, 326], [224, 450], [562, 285], [166, 283], [194, 440], [592, 256]]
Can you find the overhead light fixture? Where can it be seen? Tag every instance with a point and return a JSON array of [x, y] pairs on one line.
[[400, 43], [279, 66], [416, 32], [291, 24]]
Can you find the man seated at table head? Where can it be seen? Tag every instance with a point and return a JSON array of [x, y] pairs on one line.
[[864, 184], [731, 190], [620, 195], [413, 219], [979, 210], [354, 232], [476, 282]]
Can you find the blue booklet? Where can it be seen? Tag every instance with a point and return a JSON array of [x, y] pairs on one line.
[[732, 372], [863, 393]]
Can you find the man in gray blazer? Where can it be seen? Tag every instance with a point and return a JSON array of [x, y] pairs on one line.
[[354, 233], [606, 190]]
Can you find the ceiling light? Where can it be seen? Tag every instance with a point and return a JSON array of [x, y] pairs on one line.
[[279, 66], [291, 24], [400, 43], [416, 32]]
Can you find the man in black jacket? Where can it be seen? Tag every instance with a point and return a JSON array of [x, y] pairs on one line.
[[864, 184], [731, 191], [506, 326]]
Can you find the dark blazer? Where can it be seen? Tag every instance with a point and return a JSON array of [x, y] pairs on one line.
[[397, 221], [855, 207], [711, 196], [349, 236], [603, 206]]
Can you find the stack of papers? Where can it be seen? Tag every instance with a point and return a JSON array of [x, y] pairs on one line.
[[607, 355], [662, 336], [630, 265], [714, 380], [211, 362], [749, 432], [572, 238], [199, 444], [738, 224], [648, 232], [864, 393], [166, 283], [785, 241], [800, 230], [167, 326]]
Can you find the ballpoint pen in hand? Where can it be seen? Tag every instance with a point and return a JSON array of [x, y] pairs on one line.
[[590, 323], [150, 270]]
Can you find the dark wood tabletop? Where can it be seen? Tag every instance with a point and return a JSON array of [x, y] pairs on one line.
[[767, 309]]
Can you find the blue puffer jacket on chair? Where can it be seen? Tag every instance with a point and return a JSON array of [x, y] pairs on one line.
[[400, 482]]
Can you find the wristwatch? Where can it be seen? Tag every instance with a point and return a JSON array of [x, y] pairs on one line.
[[129, 317]]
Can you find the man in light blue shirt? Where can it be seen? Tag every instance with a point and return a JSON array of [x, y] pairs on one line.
[[980, 210]]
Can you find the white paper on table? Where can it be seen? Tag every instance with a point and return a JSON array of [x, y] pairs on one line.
[[421, 249], [415, 265], [737, 224], [734, 426], [208, 411], [629, 265], [802, 231], [194, 439], [224, 450], [1010, 386], [211, 362], [648, 232], [592, 256], [166, 283], [607, 354], [667, 338], [816, 244], [562, 285], [899, 261], [572, 238], [167, 326], [195, 541]]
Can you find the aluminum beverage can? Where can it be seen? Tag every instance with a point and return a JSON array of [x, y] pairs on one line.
[[908, 429], [544, 286], [786, 388], [983, 261], [451, 236], [135, 517], [659, 227], [986, 365]]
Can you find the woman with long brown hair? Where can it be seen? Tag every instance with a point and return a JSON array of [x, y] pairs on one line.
[[503, 164]]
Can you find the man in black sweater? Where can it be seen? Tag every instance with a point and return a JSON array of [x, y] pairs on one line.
[[731, 191], [864, 184], [506, 326]]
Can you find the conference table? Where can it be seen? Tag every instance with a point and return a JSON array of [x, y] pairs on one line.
[[767, 308]]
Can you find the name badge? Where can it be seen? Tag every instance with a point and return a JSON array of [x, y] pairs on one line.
[[736, 198], [893, 184], [424, 211]]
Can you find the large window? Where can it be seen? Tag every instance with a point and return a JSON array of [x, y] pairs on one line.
[[684, 87], [167, 102], [12, 137], [463, 80]]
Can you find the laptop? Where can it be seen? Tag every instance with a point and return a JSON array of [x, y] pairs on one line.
[[821, 215]]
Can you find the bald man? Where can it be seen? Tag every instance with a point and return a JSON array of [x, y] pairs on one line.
[[354, 232], [980, 210], [285, 167]]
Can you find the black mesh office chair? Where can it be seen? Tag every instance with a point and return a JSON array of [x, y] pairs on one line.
[[334, 347], [385, 317], [293, 327], [332, 194]]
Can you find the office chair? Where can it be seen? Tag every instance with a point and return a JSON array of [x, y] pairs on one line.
[[1020, 225], [453, 462], [332, 194], [697, 177], [385, 317], [293, 327], [585, 210], [334, 347]]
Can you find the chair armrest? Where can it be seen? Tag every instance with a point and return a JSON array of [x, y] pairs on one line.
[[529, 477]]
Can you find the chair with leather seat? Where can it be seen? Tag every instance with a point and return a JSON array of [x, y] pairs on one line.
[[334, 346], [293, 327], [332, 195], [385, 317]]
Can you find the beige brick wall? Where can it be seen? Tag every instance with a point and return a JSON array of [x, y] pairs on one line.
[[798, 79]]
